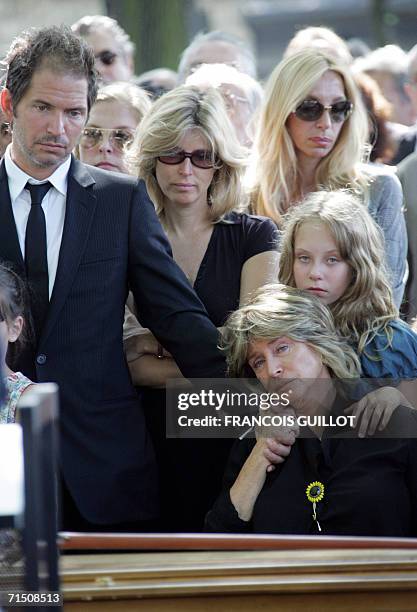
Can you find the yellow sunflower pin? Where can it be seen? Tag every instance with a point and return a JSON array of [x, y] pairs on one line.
[[315, 491]]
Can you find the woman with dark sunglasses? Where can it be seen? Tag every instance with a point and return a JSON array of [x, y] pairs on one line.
[[187, 153], [312, 134]]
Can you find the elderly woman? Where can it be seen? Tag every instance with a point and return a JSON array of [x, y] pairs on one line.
[[328, 484], [241, 93], [189, 157], [111, 126], [312, 134]]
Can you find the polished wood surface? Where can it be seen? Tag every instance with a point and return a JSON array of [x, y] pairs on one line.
[[320, 579], [199, 541]]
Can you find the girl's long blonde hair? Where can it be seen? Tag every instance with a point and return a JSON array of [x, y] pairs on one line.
[[274, 180], [276, 311], [367, 307]]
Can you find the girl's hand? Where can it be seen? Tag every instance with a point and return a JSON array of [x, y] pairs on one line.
[[375, 410]]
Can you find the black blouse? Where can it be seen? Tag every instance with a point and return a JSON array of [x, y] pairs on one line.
[[370, 487]]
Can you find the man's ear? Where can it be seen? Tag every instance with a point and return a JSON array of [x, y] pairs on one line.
[[7, 104]]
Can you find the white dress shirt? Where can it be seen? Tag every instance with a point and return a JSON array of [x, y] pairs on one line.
[[53, 205]]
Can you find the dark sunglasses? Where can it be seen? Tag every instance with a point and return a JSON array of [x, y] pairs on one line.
[[106, 57], [311, 110], [199, 158], [119, 139]]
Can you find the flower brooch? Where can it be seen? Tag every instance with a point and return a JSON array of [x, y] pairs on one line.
[[315, 493]]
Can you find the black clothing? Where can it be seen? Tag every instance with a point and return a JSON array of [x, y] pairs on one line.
[[191, 470], [112, 241], [36, 261], [406, 146], [370, 487]]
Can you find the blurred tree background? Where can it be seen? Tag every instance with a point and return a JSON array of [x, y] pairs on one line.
[[158, 28]]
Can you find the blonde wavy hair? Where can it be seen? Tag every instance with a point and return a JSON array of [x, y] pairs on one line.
[[275, 311], [275, 182], [133, 97], [182, 109], [367, 306]]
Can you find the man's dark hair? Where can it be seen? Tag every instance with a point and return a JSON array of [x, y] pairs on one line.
[[59, 49]]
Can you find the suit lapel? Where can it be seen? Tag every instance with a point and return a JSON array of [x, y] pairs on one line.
[[9, 241], [79, 213]]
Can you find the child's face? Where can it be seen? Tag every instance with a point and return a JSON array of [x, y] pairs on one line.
[[318, 265]]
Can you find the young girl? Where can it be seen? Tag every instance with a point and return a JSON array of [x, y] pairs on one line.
[[332, 248], [13, 334]]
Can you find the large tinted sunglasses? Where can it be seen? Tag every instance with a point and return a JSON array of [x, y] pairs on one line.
[[311, 110], [200, 158], [106, 57], [118, 138]]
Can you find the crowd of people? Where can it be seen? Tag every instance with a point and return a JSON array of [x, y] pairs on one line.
[[199, 224]]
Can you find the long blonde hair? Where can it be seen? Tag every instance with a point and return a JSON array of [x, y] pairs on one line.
[[276, 180], [367, 306], [275, 311]]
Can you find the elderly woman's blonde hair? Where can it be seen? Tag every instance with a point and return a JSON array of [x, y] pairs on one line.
[[367, 306], [276, 182], [172, 116], [137, 100], [277, 311]]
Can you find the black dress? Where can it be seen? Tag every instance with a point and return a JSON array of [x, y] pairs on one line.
[[370, 486], [191, 471]]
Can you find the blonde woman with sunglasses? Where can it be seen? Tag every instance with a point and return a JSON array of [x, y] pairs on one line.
[[187, 153], [111, 126], [312, 134]]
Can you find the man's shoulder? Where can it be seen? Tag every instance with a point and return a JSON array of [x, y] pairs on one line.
[[90, 175]]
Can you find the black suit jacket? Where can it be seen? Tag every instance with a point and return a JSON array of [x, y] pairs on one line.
[[406, 146], [112, 241]]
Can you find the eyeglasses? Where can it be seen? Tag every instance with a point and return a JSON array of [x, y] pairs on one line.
[[199, 158], [118, 138], [311, 110], [5, 129], [106, 57], [232, 100]]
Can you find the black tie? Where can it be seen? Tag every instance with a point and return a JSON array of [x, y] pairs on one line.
[[36, 260]]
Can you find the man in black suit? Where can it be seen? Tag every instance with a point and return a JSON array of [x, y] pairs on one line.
[[87, 241]]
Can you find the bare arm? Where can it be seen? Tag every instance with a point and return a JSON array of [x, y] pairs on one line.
[[257, 271], [250, 481]]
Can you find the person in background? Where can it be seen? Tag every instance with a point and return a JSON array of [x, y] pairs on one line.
[[113, 49], [187, 153], [312, 133], [241, 93], [216, 47], [111, 126], [380, 138], [388, 66], [407, 173], [156, 82], [5, 131], [14, 333], [322, 39], [408, 141]]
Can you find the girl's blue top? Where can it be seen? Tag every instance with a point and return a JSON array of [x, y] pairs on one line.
[[399, 360]]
